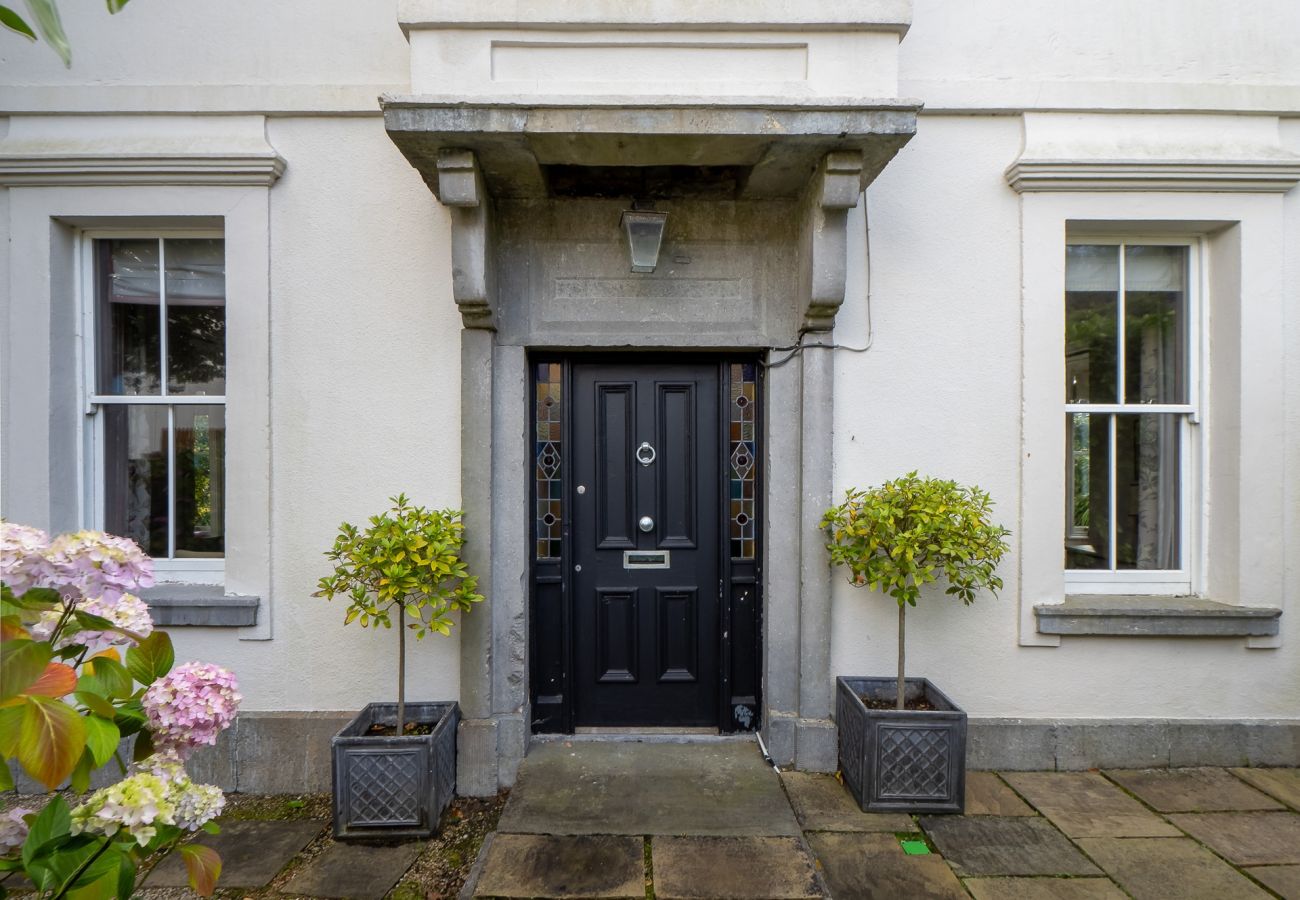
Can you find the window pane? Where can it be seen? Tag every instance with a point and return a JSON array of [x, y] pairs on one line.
[[196, 316], [200, 481], [548, 449], [1091, 329], [1147, 480], [128, 339], [1087, 479], [135, 475], [1155, 324]]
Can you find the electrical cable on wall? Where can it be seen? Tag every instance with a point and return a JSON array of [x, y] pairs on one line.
[[799, 346]]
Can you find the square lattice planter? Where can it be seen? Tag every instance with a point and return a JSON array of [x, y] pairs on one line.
[[390, 786], [901, 760]]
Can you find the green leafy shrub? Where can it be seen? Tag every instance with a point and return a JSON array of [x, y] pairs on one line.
[[407, 562], [910, 532]]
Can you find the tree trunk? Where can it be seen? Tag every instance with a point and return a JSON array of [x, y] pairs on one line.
[[401, 668], [902, 630]]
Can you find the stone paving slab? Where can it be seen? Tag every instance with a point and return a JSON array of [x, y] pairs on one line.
[[1169, 869], [1000, 845], [988, 795], [252, 853], [1191, 790], [1044, 889], [732, 868], [574, 866], [1283, 784], [821, 803], [354, 871], [1246, 838], [631, 788], [1285, 880], [1083, 804], [873, 867]]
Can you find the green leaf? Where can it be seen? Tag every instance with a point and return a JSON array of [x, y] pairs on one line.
[[21, 663], [46, 14], [211, 827], [151, 658], [204, 867], [102, 737], [115, 6], [34, 599], [126, 868], [11, 718], [51, 738], [130, 718], [51, 828], [111, 677], [143, 748], [14, 22], [6, 776], [96, 703], [79, 780]]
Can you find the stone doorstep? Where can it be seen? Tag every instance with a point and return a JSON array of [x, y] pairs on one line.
[[1191, 790]]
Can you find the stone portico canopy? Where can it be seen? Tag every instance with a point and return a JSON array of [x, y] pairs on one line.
[[756, 126]]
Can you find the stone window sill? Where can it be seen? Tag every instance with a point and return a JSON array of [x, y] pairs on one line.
[[199, 604], [1146, 616]]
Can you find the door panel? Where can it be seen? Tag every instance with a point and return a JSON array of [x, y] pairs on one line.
[[646, 640], [613, 483]]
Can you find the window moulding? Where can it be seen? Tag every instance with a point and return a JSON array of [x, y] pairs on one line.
[[138, 150], [1144, 152]]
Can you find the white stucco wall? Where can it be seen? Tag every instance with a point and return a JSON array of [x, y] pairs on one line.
[[364, 336]]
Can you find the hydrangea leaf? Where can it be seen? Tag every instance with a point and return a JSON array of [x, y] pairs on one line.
[[204, 867], [151, 658], [21, 663], [51, 738]]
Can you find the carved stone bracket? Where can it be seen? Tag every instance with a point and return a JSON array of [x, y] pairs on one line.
[[462, 190], [833, 191]]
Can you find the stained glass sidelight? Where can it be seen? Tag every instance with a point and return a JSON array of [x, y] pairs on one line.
[[548, 414], [743, 413]]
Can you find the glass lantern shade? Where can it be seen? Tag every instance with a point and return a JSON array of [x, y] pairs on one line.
[[645, 232]]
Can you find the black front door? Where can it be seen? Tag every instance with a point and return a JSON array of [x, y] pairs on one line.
[[646, 505]]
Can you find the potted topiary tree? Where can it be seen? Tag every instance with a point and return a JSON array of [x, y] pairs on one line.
[[394, 765], [902, 741]]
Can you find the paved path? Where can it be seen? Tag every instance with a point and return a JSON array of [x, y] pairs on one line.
[[712, 820], [689, 822]]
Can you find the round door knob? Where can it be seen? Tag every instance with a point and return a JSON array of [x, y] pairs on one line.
[[646, 524]]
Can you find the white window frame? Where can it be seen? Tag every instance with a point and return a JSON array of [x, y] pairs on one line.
[[91, 467], [1189, 577]]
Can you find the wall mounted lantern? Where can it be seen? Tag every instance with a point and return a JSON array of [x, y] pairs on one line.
[[645, 232]]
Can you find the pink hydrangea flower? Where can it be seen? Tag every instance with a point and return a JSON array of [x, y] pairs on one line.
[[13, 830], [128, 612], [22, 556], [190, 706], [94, 564]]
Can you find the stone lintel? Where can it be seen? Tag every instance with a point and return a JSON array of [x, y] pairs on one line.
[[1155, 617], [199, 604]]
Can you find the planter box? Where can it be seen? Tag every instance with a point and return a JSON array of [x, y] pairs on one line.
[[901, 760], [391, 787]]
